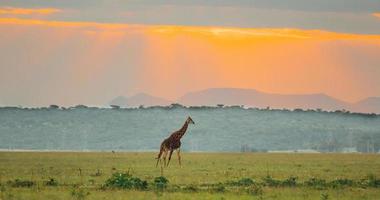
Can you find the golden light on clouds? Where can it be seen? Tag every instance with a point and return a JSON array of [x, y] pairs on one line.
[[28, 11], [37, 22], [168, 60], [221, 32], [376, 15]]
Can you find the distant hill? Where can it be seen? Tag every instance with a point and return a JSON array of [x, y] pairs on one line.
[[254, 98], [368, 105], [85, 129], [139, 99]]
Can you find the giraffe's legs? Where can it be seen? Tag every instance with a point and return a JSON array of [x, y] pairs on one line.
[[164, 156], [170, 156], [159, 158], [161, 168], [179, 156]]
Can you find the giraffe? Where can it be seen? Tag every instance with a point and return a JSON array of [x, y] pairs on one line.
[[173, 142]]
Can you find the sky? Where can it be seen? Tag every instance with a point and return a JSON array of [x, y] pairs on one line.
[[91, 51]]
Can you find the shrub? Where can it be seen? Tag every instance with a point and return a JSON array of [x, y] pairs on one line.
[[341, 182], [51, 182], [269, 181], [21, 183], [191, 188], [317, 183], [219, 188], [290, 182], [126, 181], [160, 182], [370, 181], [245, 182]]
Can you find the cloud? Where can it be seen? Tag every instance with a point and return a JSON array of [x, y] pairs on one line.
[[376, 15], [65, 24], [229, 32], [28, 11], [71, 62]]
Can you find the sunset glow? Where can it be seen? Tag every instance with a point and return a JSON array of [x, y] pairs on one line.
[[27, 11], [229, 33], [171, 60]]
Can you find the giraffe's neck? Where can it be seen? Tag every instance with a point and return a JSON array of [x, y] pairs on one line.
[[182, 131]]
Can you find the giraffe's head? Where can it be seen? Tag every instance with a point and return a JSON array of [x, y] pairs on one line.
[[189, 120]]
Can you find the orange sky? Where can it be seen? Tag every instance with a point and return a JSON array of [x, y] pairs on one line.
[[89, 60], [27, 11]]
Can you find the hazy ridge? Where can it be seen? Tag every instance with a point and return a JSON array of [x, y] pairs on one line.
[[254, 98], [216, 129]]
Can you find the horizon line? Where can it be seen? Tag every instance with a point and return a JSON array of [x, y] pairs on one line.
[[244, 88]]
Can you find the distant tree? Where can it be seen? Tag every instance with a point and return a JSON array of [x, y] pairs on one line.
[[194, 107], [80, 107], [53, 107], [157, 107], [176, 105], [115, 107]]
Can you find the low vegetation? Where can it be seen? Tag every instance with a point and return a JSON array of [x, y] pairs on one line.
[[203, 176], [21, 183], [125, 181]]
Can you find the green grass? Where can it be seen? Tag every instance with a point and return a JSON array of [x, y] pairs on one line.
[[202, 175]]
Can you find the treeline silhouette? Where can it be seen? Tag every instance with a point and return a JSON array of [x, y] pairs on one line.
[[179, 106]]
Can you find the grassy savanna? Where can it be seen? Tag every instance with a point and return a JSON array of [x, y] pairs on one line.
[[202, 176]]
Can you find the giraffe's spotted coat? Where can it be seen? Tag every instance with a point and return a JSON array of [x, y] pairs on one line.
[[173, 142]]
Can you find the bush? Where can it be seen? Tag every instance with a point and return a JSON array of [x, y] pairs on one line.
[[370, 181], [191, 188], [245, 182], [290, 182], [317, 183], [219, 188], [269, 181], [126, 181], [160, 182], [241, 182], [341, 182], [51, 182], [21, 183]]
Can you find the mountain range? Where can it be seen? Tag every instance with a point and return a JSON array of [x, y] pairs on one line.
[[253, 98], [139, 99]]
